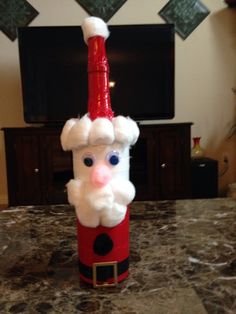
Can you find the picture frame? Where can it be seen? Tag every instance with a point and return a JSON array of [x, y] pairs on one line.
[[104, 9], [13, 14], [185, 14]]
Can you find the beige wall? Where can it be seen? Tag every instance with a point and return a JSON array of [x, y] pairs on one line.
[[205, 73]]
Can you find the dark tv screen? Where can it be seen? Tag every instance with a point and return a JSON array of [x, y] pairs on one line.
[[53, 63]]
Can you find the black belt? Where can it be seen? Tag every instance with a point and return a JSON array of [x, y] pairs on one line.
[[104, 273]]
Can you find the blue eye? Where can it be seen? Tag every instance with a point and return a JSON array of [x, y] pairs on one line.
[[88, 160], [113, 158]]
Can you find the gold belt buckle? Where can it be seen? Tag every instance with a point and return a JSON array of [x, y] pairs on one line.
[[104, 264]]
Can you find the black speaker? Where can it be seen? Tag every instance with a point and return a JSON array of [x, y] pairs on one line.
[[204, 178]]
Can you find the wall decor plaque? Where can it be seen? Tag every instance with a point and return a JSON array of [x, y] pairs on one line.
[[15, 13], [185, 14], [104, 9]]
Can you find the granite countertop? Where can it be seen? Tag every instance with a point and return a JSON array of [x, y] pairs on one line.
[[183, 261]]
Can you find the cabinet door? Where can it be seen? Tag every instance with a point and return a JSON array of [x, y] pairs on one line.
[[24, 169], [142, 165], [173, 163], [57, 171]]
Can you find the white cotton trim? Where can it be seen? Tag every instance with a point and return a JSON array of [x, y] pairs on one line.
[[106, 206], [134, 129], [94, 26], [75, 133], [124, 191], [66, 130], [74, 191], [126, 130], [78, 133], [101, 132]]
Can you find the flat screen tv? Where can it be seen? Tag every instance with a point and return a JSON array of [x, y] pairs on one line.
[[53, 64]]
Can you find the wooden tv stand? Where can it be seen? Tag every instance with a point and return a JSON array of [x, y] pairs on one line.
[[38, 168]]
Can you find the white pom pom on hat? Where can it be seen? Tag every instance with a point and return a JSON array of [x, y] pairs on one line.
[[94, 26]]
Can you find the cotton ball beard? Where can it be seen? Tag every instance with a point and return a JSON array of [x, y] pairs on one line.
[[101, 190]]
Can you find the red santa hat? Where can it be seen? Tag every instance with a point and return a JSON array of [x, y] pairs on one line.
[[98, 127], [95, 33]]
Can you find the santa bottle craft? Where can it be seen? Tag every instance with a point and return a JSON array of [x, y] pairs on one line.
[[100, 190]]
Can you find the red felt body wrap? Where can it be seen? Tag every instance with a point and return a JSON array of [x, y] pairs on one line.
[[119, 236]]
